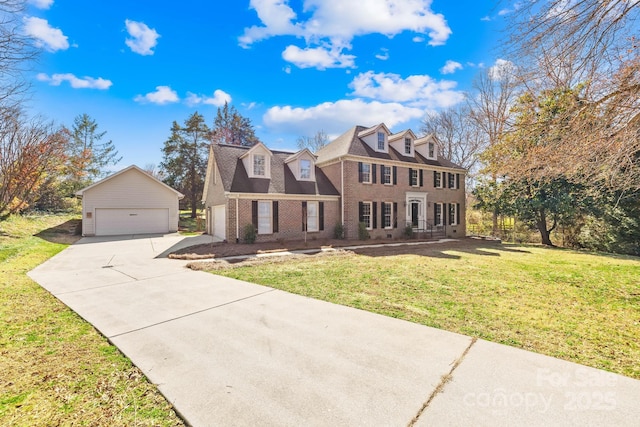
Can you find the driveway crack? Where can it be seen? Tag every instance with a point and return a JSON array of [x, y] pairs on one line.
[[192, 313], [443, 381]]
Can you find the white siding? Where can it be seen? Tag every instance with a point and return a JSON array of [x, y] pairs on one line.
[[131, 189]]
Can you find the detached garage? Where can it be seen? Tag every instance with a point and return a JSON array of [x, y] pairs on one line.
[[129, 202]]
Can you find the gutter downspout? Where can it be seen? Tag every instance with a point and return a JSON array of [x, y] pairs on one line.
[[237, 226], [342, 192]]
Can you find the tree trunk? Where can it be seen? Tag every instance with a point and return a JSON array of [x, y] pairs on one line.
[[542, 227], [495, 222]]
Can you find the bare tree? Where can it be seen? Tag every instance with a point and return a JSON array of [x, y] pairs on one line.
[[31, 151], [16, 51], [592, 49], [457, 136], [313, 143]]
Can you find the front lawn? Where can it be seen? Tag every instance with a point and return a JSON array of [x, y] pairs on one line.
[[55, 368], [576, 306]]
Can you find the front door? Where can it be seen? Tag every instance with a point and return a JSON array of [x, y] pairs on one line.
[[415, 213]]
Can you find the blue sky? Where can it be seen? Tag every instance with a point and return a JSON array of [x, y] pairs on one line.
[[292, 66]]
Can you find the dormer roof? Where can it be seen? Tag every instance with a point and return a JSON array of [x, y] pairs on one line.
[[374, 129], [254, 148], [299, 154], [401, 135]]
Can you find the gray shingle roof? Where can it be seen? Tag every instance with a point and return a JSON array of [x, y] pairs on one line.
[[235, 178], [350, 143]]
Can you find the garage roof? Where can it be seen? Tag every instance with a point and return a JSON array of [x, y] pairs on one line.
[[80, 193]]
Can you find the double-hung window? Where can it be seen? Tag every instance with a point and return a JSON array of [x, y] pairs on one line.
[[312, 216], [366, 173], [381, 141], [437, 179], [452, 180], [432, 150], [453, 214], [366, 214], [387, 215], [305, 169], [264, 217], [386, 174], [407, 146], [437, 220], [259, 165], [414, 177]]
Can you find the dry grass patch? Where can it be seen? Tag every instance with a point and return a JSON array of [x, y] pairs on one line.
[[577, 306]]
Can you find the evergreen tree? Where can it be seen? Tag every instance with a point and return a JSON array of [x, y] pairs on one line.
[[230, 127], [185, 158], [88, 156]]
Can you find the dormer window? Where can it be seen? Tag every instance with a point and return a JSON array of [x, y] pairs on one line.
[[259, 165], [407, 146], [381, 140], [432, 150], [305, 169]]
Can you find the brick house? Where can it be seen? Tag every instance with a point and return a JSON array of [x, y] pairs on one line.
[[367, 175]]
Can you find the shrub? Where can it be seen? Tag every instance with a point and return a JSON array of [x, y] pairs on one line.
[[408, 231], [338, 231], [363, 233], [250, 233]]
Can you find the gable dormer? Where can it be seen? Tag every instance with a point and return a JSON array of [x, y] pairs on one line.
[[376, 137], [302, 165], [257, 161], [403, 142], [427, 147]]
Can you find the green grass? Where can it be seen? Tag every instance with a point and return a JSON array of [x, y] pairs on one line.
[[191, 226], [577, 306], [56, 369]]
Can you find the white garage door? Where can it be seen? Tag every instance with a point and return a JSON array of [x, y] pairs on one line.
[[219, 223], [131, 221]]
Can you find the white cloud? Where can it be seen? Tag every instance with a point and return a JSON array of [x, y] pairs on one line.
[[162, 95], [143, 39], [75, 82], [419, 90], [41, 4], [336, 117], [287, 69], [451, 67], [46, 36], [218, 99], [418, 39], [319, 57], [335, 23], [485, 18], [501, 68], [384, 55]]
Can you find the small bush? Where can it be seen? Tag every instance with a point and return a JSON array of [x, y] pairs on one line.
[[250, 233], [408, 231], [338, 231], [363, 233]]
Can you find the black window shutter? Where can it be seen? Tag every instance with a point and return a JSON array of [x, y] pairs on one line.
[[395, 175], [275, 216], [373, 173], [421, 180], [359, 171], [304, 215], [381, 174], [321, 215], [435, 213], [445, 213], [457, 180], [458, 213], [360, 215], [254, 213], [434, 178], [410, 173], [395, 215], [374, 211]]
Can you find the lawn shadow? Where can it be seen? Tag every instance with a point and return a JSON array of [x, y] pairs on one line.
[[67, 233]]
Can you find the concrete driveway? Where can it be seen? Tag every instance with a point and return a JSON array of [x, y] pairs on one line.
[[226, 352]]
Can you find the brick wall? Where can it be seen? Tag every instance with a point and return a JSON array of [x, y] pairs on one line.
[[289, 221]]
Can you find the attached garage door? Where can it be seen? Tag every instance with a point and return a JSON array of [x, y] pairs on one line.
[[131, 221]]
